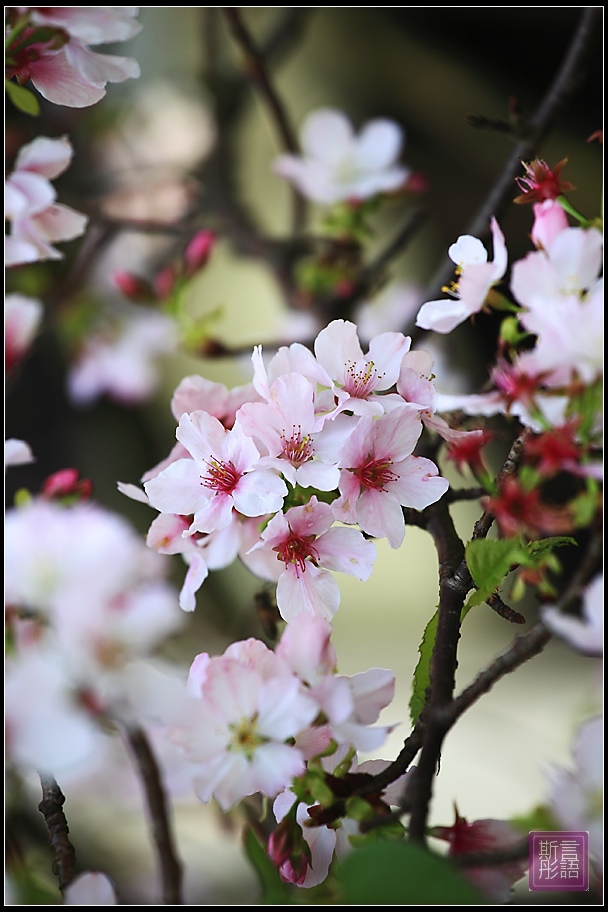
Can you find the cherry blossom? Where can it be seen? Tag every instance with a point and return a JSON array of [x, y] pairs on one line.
[[586, 633], [466, 838], [241, 722], [339, 165], [549, 220], [357, 378], [379, 475], [63, 68], [47, 727], [291, 433], [91, 888], [222, 475], [17, 452], [476, 276], [575, 795], [308, 547], [22, 320], [36, 220], [119, 358], [350, 703], [71, 555]]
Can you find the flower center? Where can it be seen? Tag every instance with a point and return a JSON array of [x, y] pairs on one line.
[[245, 737], [375, 474], [297, 449], [296, 549], [360, 378], [222, 477]]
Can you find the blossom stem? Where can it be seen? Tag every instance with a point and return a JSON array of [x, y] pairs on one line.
[[51, 808], [170, 866]]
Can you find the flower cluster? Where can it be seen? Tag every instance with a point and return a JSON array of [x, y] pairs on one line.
[[281, 472], [87, 603]]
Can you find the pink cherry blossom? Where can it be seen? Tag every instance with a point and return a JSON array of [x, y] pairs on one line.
[[476, 276], [357, 378], [120, 358], [93, 25], [240, 726], [222, 475], [338, 165], [17, 452], [68, 72], [308, 548], [36, 220], [570, 265], [290, 432], [575, 795], [549, 220], [586, 633], [22, 319], [485, 836], [379, 475], [91, 888]]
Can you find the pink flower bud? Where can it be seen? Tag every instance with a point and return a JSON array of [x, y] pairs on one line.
[[549, 220], [134, 287], [164, 282], [66, 483], [197, 252]]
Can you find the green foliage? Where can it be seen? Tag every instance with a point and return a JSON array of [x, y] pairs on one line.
[[490, 560], [422, 672], [22, 98], [400, 873]]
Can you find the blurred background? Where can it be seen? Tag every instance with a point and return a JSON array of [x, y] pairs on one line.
[[146, 153]]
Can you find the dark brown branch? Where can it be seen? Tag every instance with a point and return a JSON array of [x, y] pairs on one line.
[[504, 611], [255, 67], [454, 495], [170, 866], [51, 808]]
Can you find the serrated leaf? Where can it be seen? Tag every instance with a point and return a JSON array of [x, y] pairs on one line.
[[489, 561], [544, 546], [22, 98], [402, 874], [274, 891], [422, 675]]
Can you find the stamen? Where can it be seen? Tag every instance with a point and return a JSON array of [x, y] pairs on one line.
[[360, 380], [296, 550], [297, 449], [375, 474], [221, 477]]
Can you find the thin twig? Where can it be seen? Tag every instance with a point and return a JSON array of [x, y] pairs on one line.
[[170, 866], [51, 808], [256, 69]]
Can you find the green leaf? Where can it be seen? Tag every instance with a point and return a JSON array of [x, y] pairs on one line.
[[422, 676], [22, 98], [402, 874], [541, 549], [539, 819], [489, 561], [274, 891]]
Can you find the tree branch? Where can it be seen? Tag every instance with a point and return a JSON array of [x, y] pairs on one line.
[[170, 866], [255, 67], [51, 808]]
